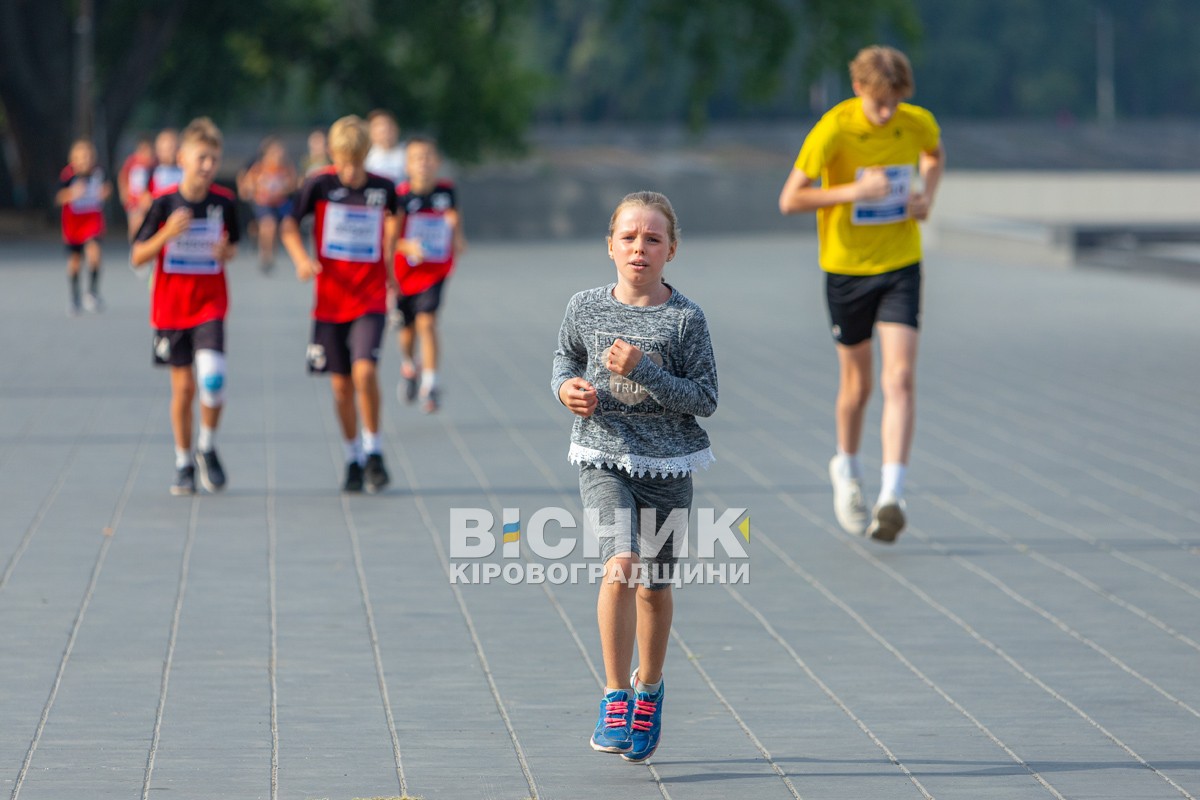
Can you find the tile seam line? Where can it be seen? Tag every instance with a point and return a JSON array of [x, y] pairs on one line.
[[974, 634], [101, 556], [1026, 550], [172, 640], [365, 602], [464, 611]]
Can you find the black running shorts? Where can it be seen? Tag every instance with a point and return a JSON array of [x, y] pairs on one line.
[[335, 346], [426, 302], [857, 302], [177, 347]]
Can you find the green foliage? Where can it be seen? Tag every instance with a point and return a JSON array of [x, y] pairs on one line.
[[448, 68], [653, 60], [1030, 58], [475, 72]]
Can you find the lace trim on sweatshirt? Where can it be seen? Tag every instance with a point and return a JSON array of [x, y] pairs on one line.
[[639, 466]]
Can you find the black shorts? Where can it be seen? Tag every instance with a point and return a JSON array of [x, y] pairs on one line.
[[335, 346], [77, 249], [426, 302], [177, 347], [857, 302]]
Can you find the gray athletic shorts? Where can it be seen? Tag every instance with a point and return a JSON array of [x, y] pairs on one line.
[[609, 490]]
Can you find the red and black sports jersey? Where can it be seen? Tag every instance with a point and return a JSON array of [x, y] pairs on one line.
[[348, 233], [424, 218], [189, 281], [83, 217]]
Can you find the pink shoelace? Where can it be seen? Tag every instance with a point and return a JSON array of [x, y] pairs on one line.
[[644, 708], [615, 713]]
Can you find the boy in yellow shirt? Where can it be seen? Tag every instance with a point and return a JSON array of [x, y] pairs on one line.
[[870, 169]]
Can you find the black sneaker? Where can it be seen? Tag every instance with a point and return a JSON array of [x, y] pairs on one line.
[[185, 481], [212, 474], [354, 477], [410, 384], [375, 475]]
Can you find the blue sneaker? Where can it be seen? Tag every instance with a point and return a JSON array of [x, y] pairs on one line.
[[647, 722], [612, 728]]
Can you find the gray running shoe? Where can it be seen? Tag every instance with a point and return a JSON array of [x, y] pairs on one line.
[[212, 474], [887, 520], [185, 481]]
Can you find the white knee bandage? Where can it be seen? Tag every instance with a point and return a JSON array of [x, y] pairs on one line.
[[210, 377]]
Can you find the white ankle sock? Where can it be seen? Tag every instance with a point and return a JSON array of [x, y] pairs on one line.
[[183, 458], [428, 379], [351, 450], [892, 481], [370, 442], [648, 688], [204, 442], [850, 465]]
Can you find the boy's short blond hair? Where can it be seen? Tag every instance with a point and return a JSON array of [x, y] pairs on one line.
[[883, 68], [348, 136], [202, 130]]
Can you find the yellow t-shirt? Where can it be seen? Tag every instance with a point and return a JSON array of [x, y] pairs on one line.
[[868, 238]]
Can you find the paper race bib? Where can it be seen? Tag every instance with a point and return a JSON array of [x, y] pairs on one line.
[[893, 207], [166, 176], [90, 200], [433, 232], [352, 233], [139, 180], [194, 253]]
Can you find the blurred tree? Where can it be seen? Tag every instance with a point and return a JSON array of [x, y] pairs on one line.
[[447, 67], [37, 78], [1033, 59], [651, 60]]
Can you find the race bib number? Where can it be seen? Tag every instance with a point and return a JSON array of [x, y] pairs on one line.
[[893, 207], [166, 176], [139, 180], [90, 200], [195, 252], [434, 233], [352, 233]]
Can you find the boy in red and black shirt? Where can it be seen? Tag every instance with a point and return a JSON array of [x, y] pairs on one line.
[[354, 231], [82, 191], [191, 232], [432, 235]]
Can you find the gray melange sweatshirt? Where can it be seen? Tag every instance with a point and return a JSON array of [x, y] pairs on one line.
[[645, 423]]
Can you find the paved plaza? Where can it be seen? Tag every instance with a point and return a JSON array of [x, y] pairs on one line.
[[1035, 633]]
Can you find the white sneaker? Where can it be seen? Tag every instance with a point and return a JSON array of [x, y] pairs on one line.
[[887, 520], [848, 504]]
